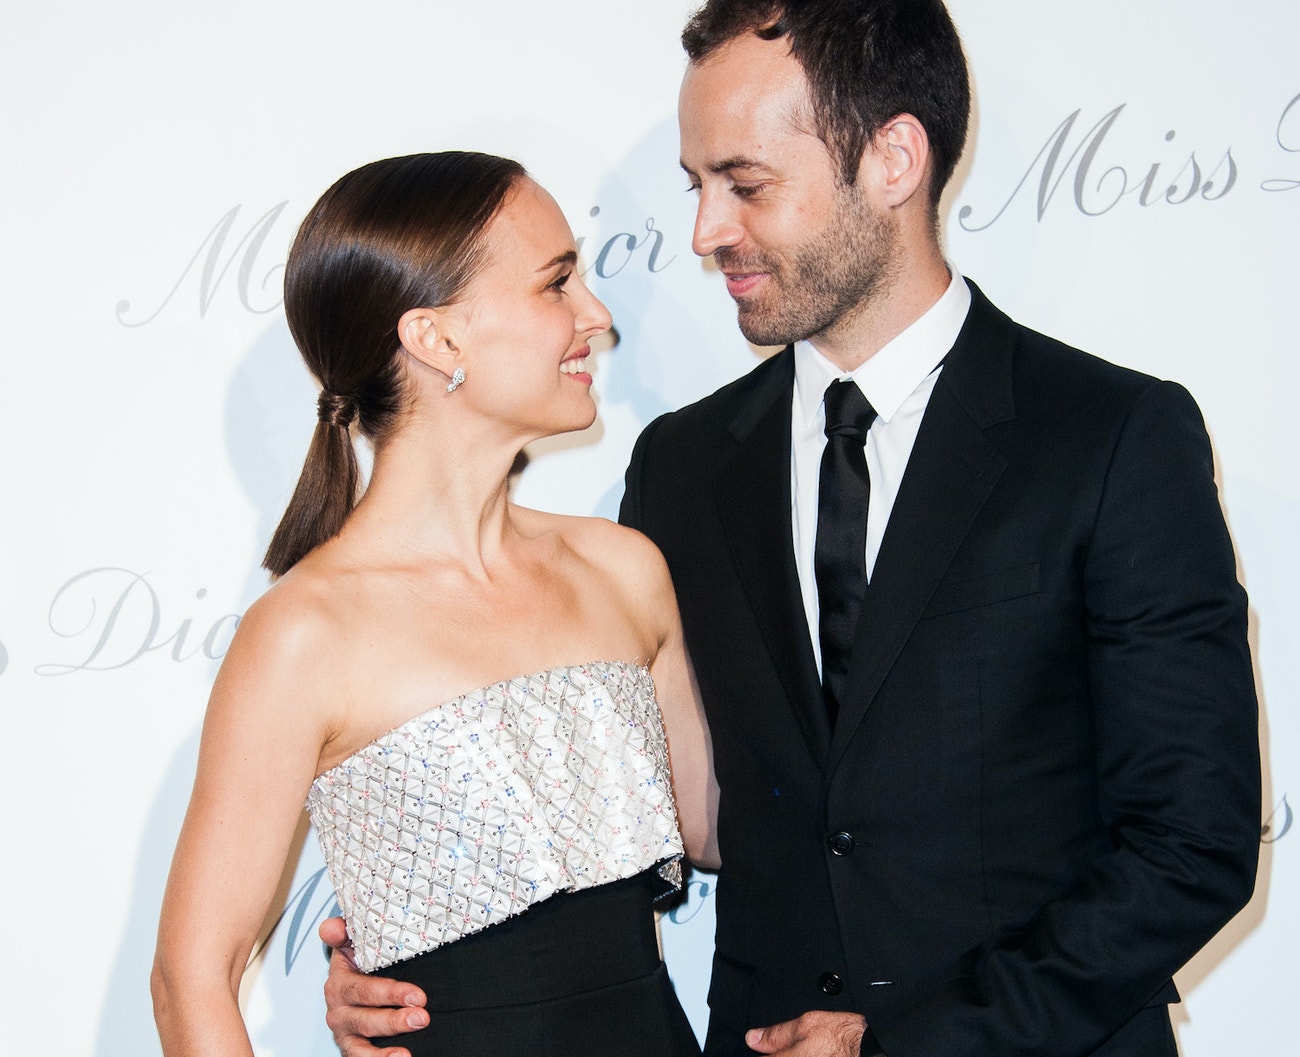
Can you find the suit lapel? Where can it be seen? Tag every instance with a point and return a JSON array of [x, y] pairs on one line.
[[952, 469], [754, 509]]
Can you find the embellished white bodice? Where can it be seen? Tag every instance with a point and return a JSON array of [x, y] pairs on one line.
[[476, 810]]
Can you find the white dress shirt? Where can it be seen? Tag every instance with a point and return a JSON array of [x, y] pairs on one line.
[[897, 381]]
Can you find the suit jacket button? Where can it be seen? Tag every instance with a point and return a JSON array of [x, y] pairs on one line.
[[830, 983], [841, 843]]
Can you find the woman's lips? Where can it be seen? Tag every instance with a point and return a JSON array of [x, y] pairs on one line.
[[575, 366]]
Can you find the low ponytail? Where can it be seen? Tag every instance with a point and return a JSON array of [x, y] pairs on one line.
[[326, 491], [393, 235]]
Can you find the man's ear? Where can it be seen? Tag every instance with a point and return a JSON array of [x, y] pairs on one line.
[[898, 160], [426, 334]]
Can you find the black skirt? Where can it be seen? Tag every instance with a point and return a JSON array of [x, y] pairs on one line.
[[578, 975]]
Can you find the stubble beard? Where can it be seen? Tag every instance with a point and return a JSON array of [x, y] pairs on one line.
[[831, 276]]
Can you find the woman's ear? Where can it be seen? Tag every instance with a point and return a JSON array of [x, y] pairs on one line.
[[425, 335]]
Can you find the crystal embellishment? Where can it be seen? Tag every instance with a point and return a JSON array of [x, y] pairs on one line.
[[476, 810]]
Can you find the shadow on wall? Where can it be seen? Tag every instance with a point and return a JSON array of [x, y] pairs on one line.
[[126, 1020], [269, 416], [1258, 530]]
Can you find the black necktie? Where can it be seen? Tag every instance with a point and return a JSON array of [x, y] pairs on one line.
[[840, 554]]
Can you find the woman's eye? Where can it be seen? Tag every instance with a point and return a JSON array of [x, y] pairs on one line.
[[560, 281]]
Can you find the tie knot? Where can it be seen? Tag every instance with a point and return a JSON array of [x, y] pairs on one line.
[[847, 411]]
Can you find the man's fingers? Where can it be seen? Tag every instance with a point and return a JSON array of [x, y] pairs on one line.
[[347, 989], [817, 1032], [771, 1039], [356, 1047], [354, 1026], [333, 932], [361, 1007]]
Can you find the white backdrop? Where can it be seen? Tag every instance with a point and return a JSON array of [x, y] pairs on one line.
[[1132, 187]]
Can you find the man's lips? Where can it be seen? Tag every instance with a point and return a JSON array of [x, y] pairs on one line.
[[741, 283]]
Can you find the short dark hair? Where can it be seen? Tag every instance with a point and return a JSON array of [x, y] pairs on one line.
[[866, 61], [393, 235]]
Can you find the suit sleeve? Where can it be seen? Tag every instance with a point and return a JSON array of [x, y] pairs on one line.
[[1177, 773], [629, 510]]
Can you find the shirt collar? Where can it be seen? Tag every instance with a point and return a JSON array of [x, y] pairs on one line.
[[893, 373]]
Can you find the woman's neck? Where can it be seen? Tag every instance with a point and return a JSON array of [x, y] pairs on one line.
[[431, 498]]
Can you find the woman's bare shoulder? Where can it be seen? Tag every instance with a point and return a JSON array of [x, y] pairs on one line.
[[612, 547], [299, 622]]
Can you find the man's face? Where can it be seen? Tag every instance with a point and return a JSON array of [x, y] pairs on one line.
[[801, 252]]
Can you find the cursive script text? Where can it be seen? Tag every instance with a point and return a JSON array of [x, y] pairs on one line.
[[115, 617], [1288, 138], [697, 892], [212, 269], [1278, 824], [617, 251], [1098, 187]]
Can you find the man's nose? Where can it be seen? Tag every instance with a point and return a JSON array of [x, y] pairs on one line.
[[715, 225]]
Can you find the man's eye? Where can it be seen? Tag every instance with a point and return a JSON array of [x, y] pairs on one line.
[[746, 190]]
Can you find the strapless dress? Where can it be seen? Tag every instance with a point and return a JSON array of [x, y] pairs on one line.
[[503, 851]]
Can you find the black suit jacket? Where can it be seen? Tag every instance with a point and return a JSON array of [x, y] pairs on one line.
[[1042, 793]]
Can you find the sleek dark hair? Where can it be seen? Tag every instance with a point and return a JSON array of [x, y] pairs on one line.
[[393, 235], [866, 61]]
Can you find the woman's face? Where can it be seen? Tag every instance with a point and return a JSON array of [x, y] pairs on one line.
[[527, 320]]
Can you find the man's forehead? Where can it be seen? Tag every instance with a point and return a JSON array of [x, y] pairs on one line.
[[745, 73], [728, 98]]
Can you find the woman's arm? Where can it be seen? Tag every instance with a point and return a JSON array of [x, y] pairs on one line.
[[262, 737], [690, 749]]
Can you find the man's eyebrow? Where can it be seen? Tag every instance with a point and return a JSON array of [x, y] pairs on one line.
[[567, 257], [739, 161]]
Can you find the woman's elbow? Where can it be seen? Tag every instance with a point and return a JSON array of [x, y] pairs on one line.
[[162, 989]]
